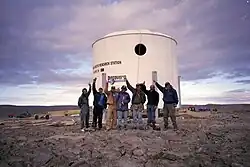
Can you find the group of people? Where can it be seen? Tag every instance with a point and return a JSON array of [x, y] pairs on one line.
[[116, 101]]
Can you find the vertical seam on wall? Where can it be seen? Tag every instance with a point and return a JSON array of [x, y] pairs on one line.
[[173, 62], [138, 59]]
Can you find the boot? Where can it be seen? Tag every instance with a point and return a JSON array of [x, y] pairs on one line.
[[119, 127], [82, 125], [153, 125], [175, 126]]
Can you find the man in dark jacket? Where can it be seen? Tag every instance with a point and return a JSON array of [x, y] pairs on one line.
[[122, 106], [100, 103], [138, 100], [153, 100], [83, 104], [170, 99]]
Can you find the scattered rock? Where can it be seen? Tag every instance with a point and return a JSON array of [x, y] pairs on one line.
[[81, 163], [236, 165], [63, 123], [17, 164], [75, 151], [69, 122], [42, 158], [15, 127], [138, 152], [38, 140], [56, 124], [167, 156], [235, 116], [22, 138], [5, 164], [71, 163], [222, 141], [122, 151], [200, 150]]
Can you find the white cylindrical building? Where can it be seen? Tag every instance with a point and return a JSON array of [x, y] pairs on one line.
[[140, 55]]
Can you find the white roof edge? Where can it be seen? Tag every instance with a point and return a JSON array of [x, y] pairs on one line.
[[127, 32], [143, 31]]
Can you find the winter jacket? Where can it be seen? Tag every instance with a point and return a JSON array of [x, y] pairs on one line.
[[97, 97], [84, 99], [112, 96], [153, 96], [169, 95], [141, 94], [122, 101]]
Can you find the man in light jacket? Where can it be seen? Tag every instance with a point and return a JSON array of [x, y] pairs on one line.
[[112, 95]]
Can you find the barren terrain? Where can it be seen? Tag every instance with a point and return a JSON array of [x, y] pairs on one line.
[[223, 139]]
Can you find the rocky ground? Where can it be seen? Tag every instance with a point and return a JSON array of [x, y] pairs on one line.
[[223, 139]]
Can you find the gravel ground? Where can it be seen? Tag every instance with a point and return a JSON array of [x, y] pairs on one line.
[[221, 140]]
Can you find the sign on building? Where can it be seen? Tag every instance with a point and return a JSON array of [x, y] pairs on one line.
[[119, 78]]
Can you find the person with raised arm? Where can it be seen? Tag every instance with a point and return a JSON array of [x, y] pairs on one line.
[[122, 107], [83, 104], [153, 101], [138, 100], [100, 103], [112, 95], [170, 99]]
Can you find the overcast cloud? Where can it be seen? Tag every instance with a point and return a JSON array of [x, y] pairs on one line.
[[48, 42]]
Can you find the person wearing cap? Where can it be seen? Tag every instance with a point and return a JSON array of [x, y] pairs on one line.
[[112, 95], [83, 104], [100, 103], [153, 100], [122, 107], [170, 99], [138, 100]]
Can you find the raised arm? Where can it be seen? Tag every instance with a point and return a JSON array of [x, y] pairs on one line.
[[159, 87], [106, 88], [94, 86], [89, 91], [144, 89], [131, 88]]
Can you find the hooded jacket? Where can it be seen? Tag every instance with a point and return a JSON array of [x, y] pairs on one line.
[[84, 99], [97, 97], [169, 95], [122, 101]]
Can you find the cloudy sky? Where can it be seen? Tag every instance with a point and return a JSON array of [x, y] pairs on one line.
[[45, 46]]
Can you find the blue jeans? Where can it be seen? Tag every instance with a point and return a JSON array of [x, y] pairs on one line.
[[122, 115], [151, 113]]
